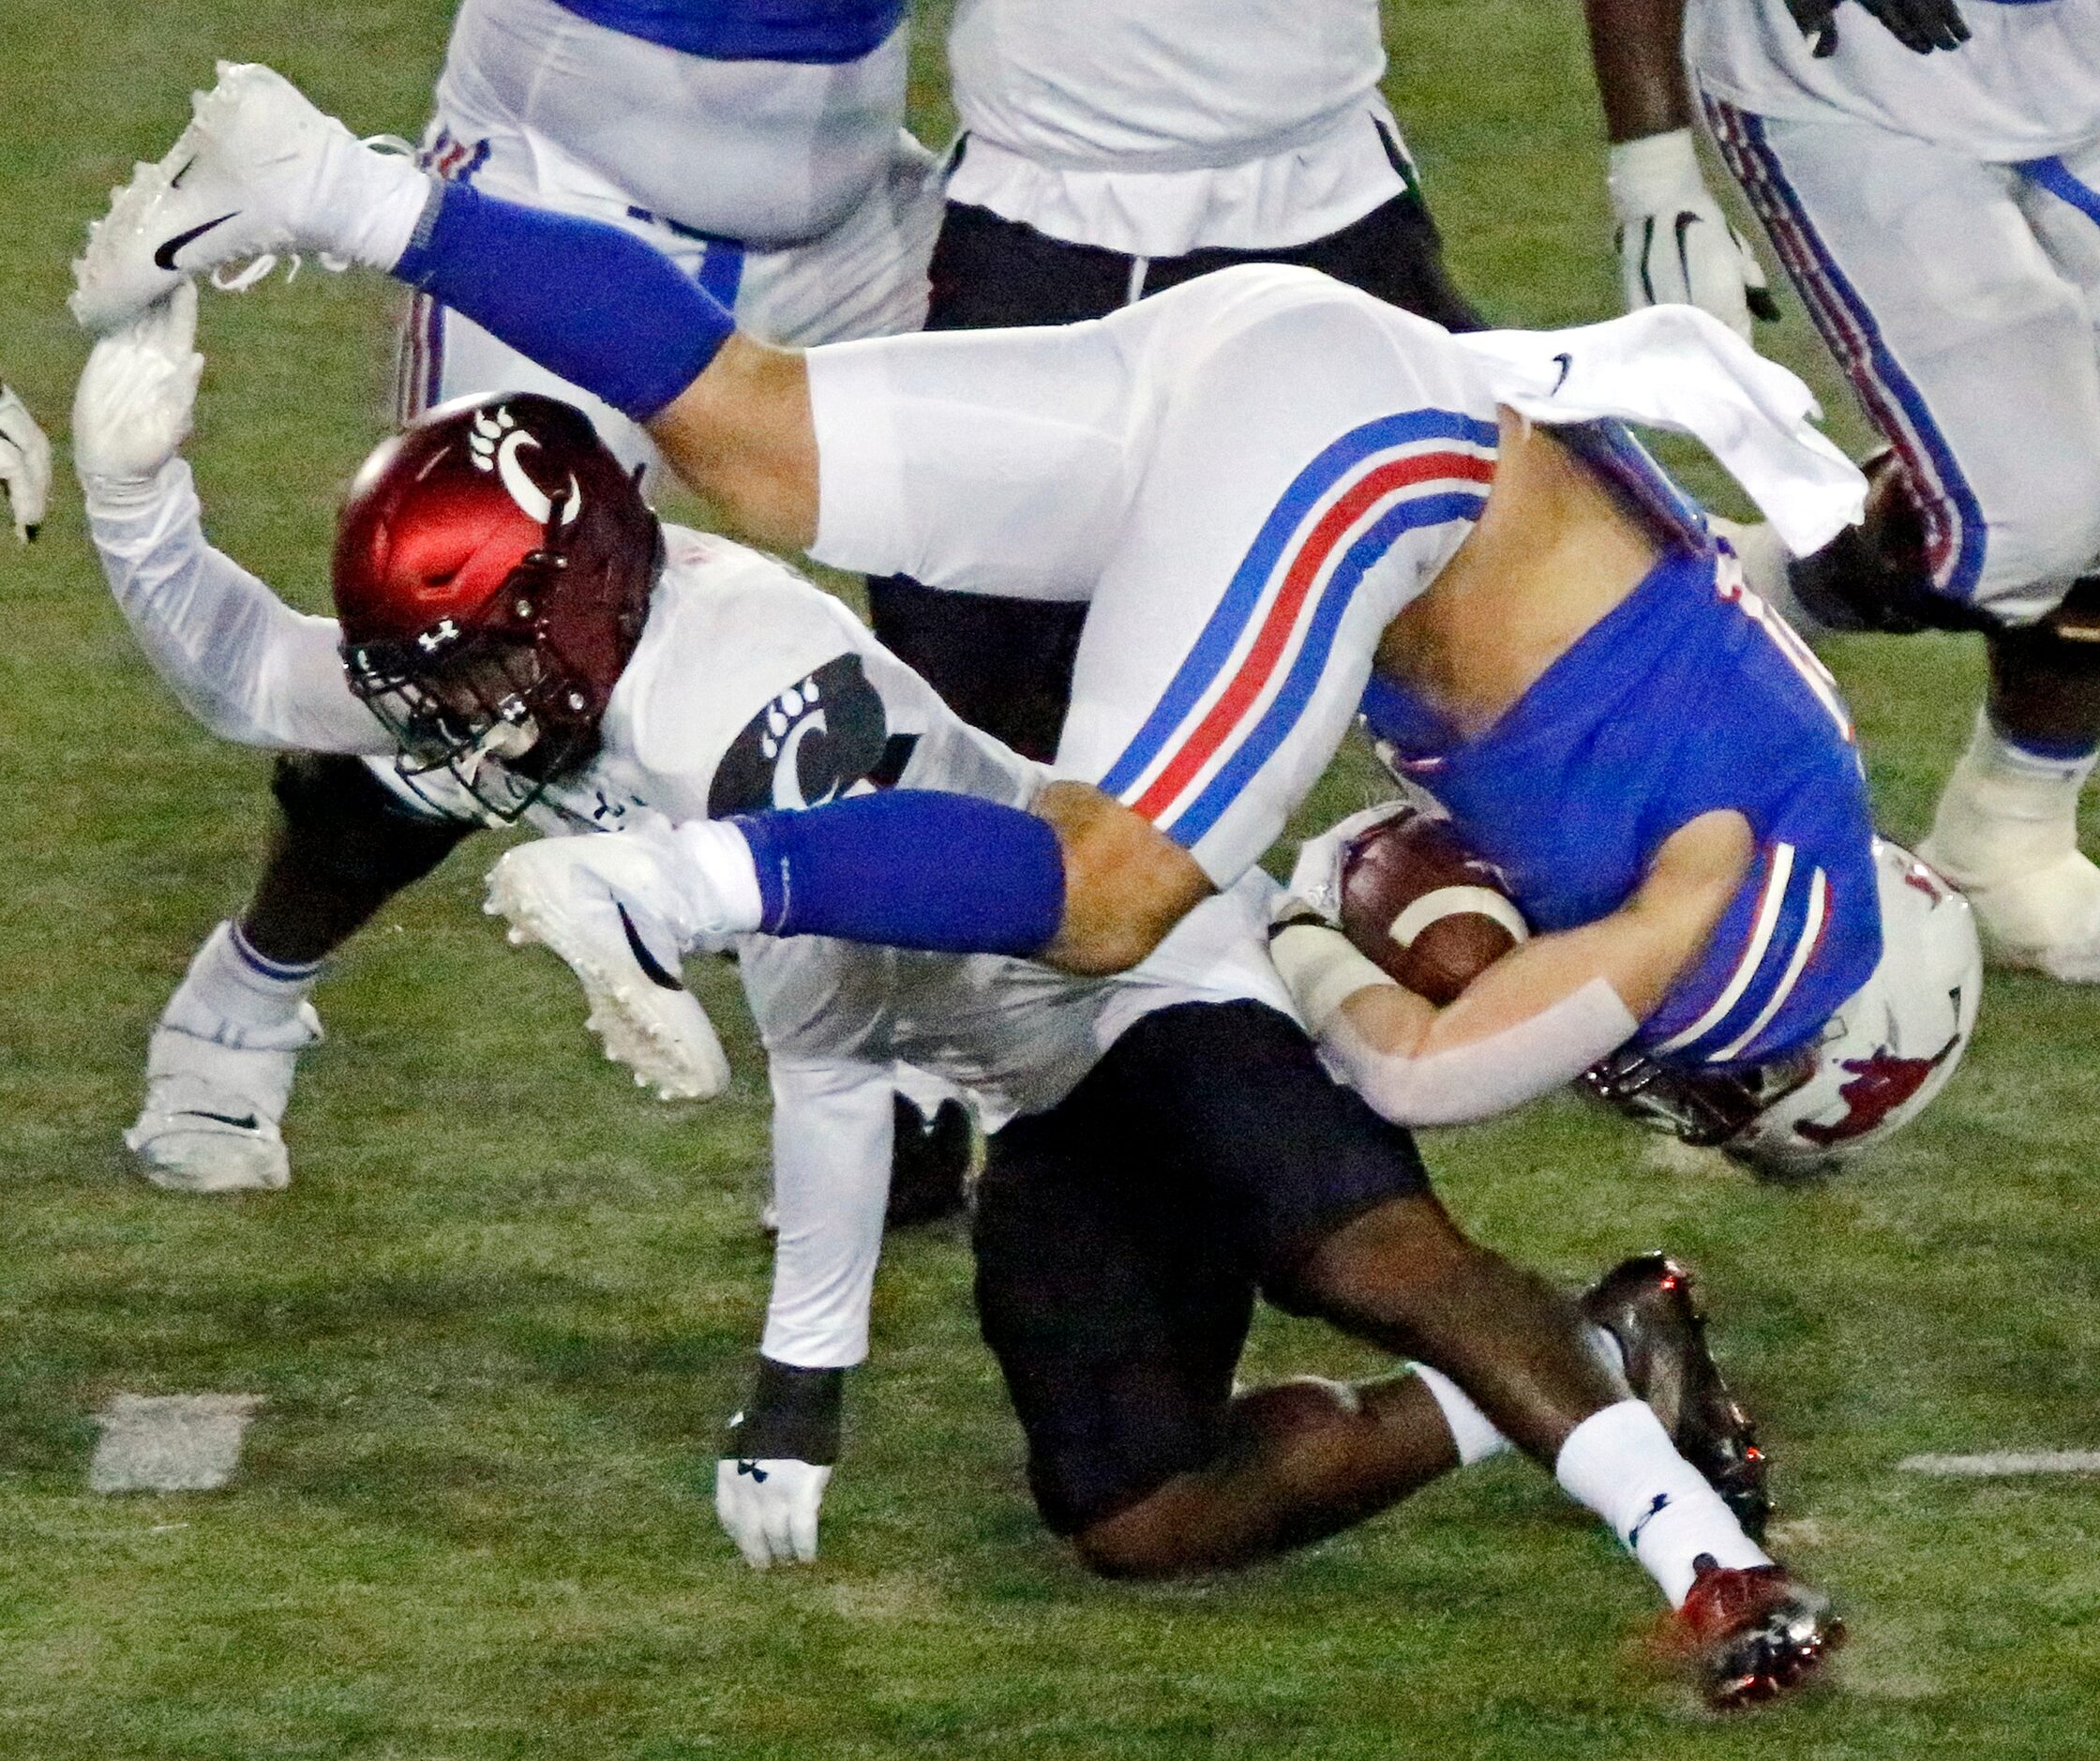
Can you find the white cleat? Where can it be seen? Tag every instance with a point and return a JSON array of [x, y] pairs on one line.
[[241, 184], [603, 904], [210, 1124], [2046, 920]]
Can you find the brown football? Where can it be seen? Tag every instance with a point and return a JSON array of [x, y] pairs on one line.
[[1424, 908]]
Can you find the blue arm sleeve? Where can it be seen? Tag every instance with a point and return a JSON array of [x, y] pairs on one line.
[[585, 300], [911, 868]]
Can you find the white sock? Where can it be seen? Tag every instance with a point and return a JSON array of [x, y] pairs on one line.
[[1621, 1463], [372, 201], [2006, 809], [717, 878], [236, 996], [1472, 1434], [1999, 756]]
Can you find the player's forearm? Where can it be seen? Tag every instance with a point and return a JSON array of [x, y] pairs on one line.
[[1528, 1024], [1456, 1076], [831, 1140], [1636, 48], [244, 663]]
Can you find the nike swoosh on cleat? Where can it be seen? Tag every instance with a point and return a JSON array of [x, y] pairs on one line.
[[164, 255], [1565, 362], [247, 1121], [652, 968], [175, 182]]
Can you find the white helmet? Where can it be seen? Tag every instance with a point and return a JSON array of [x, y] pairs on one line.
[[1884, 1054]]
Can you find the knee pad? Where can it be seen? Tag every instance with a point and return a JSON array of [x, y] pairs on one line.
[[347, 825]]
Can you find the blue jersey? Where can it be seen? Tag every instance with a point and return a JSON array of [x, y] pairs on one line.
[[821, 31], [1686, 696]]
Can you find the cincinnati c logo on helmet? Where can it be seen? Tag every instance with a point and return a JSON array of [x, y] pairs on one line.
[[494, 443]]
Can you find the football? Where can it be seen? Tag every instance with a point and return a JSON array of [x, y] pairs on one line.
[[1424, 908]]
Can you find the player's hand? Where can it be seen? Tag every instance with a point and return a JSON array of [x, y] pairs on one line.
[[770, 1484], [1676, 245], [768, 1506], [1919, 26], [132, 410], [1316, 885], [24, 464]]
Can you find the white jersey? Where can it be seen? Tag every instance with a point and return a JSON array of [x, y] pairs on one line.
[[770, 153], [790, 190], [749, 690], [1161, 126], [2025, 86]]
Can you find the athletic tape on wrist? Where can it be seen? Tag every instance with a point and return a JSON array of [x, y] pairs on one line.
[[1322, 970]]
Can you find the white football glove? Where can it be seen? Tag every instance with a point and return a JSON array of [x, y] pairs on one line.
[[24, 464], [768, 1508], [132, 410], [1676, 245]]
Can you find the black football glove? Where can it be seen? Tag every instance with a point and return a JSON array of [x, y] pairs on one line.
[[776, 1461], [1919, 26]]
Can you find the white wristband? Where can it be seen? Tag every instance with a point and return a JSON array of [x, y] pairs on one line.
[[1322, 970], [1659, 174]]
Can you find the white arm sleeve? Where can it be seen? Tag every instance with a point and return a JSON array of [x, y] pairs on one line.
[[1485, 1077], [241, 660], [830, 1185], [1028, 431]]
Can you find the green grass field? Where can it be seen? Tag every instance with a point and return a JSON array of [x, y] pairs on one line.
[[504, 1306]]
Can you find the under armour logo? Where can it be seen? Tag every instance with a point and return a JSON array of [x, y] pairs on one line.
[[757, 1473], [1654, 1510], [444, 630]]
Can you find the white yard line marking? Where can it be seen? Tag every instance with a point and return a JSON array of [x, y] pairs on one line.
[[2005, 1462], [169, 1442]]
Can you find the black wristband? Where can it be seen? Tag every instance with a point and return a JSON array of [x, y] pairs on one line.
[[792, 1415]]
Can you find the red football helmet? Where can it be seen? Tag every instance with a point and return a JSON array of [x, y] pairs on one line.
[[493, 567]]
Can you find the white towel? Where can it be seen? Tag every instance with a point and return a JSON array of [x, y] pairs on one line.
[[1673, 367]]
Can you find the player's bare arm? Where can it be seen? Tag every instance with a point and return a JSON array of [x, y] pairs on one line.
[[1639, 951], [1527, 1022], [741, 435], [1634, 47], [1675, 242]]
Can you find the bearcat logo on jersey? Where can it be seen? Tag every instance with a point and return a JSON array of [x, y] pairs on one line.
[[819, 739]]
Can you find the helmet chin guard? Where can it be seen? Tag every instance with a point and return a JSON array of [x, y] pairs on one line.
[[492, 571], [1880, 1057]]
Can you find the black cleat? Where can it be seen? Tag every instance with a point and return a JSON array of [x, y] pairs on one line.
[[1755, 1633], [1646, 1304], [929, 1165]]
